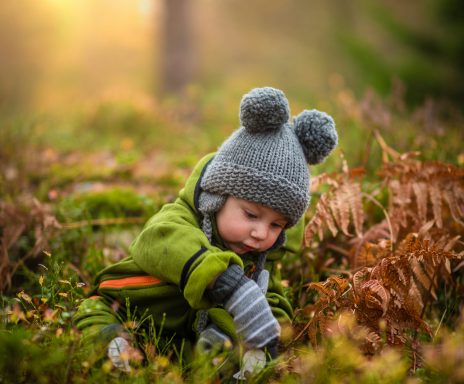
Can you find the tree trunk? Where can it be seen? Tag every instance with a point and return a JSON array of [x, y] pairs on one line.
[[177, 56]]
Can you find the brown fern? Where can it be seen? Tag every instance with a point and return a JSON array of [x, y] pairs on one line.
[[398, 264], [435, 186], [30, 218], [330, 301], [339, 207], [395, 291], [420, 193]]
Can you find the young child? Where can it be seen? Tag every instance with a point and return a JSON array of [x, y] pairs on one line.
[[204, 268]]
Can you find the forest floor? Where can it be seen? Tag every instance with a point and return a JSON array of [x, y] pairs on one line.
[[377, 288]]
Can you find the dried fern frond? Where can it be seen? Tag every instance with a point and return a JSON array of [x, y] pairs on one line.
[[420, 191], [393, 292], [365, 250], [374, 295], [329, 303], [410, 276], [398, 264], [339, 207]]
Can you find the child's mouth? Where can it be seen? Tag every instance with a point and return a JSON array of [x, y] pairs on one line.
[[247, 249]]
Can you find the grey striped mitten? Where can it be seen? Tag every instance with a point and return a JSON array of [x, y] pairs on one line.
[[245, 301], [213, 339]]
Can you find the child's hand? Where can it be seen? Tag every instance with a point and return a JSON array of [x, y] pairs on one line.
[[120, 352], [263, 280], [253, 361], [245, 301], [252, 315], [212, 339]]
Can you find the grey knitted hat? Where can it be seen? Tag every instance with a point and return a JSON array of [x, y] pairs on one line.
[[265, 160]]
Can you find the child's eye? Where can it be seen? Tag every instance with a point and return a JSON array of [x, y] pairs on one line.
[[278, 225], [250, 215]]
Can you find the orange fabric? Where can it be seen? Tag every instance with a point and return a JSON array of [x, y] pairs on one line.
[[94, 297], [130, 282]]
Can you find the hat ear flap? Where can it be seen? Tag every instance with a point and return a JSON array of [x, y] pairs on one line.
[[316, 133]]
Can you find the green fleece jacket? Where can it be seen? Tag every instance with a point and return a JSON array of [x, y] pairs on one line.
[[170, 266]]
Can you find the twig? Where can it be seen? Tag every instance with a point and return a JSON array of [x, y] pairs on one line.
[[103, 222], [386, 149], [334, 270], [439, 324], [338, 249], [302, 331], [79, 273]]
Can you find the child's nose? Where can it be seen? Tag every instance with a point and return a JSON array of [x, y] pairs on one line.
[[259, 232]]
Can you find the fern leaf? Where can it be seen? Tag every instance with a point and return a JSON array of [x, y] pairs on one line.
[[327, 216], [451, 243], [424, 230], [314, 226], [375, 295], [396, 275], [452, 201], [321, 288], [340, 209], [413, 301], [372, 343], [359, 278], [365, 257], [318, 221], [458, 191], [435, 198], [340, 283], [420, 191], [355, 203], [422, 276]]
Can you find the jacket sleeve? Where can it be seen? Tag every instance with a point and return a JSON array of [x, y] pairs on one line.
[[173, 248]]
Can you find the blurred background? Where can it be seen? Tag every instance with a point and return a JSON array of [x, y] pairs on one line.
[[132, 80], [56, 54]]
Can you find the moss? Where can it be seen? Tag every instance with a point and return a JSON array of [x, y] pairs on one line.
[[115, 202]]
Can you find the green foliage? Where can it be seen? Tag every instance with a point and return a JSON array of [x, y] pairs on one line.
[[116, 202], [28, 355], [428, 59]]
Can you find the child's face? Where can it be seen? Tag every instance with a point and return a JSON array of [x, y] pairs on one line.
[[245, 226]]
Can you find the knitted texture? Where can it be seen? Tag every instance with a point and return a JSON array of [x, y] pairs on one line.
[[212, 339], [264, 109], [311, 129], [252, 316], [226, 283], [265, 160], [208, 204], [263, 280], [118, 353]]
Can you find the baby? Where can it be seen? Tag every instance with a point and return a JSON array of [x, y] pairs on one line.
[[204, 270]]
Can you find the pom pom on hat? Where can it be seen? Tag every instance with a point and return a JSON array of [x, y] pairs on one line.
[[264, 110], [317, 134]]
